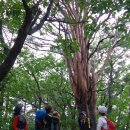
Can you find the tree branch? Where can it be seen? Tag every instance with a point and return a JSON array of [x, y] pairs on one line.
[[16, 49], [108, 56], [97, 47], [26, 7], [64, 21], [39, 26]]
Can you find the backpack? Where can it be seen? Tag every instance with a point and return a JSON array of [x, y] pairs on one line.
[[21, 122], [111, 125]]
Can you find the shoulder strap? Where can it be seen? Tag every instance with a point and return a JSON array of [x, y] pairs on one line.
[[89, 124]]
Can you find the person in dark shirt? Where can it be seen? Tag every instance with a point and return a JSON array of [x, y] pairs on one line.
[[84, 121], [56, 120], [48, 119]]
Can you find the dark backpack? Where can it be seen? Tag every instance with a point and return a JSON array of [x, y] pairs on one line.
[[21, 122]]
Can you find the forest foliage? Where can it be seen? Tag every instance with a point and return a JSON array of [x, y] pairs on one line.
[[40, 73]]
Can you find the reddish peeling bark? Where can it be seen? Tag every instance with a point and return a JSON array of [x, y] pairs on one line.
[[83, 84]]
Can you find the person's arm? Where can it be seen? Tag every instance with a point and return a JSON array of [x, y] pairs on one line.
[[100, 124], [15, 123]]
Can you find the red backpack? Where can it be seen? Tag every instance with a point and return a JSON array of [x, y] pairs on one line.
[[111, 125]]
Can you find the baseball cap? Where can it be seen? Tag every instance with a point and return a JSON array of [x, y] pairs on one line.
[[102, 109], [83, 112]]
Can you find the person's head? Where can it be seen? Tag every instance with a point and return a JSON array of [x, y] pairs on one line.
[[102, 110], [48, 108], [82, 115], [56, 114], [18, 109]]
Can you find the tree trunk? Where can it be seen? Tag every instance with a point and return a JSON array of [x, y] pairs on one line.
[[83, 90], [82, 81], [83, 84]]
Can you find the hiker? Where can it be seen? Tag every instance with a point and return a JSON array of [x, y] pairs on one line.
[[48, 119], [84, 121], [56, 120], [19, 122], [103, 122], [40, 119]]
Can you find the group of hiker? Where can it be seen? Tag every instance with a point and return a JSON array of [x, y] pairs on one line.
[[47, 119]]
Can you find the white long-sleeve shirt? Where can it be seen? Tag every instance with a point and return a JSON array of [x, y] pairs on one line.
[[102, 123]]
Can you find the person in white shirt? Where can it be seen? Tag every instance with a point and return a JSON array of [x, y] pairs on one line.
[[102, 123]]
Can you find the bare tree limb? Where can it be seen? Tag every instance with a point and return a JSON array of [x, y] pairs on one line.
[[39, 26], [108, 56], [50, 51], [64, 21], [97, 47]]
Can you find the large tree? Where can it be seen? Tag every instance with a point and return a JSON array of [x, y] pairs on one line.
[[82, 27]]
